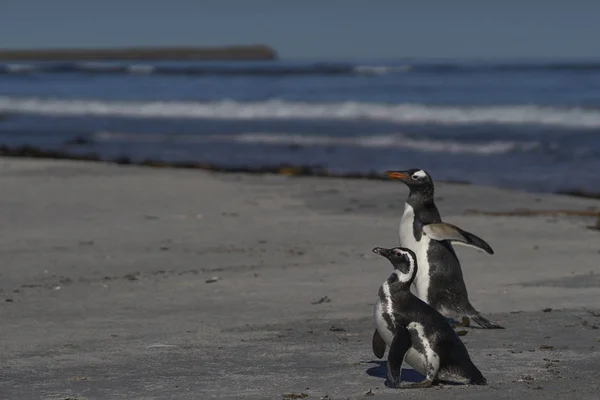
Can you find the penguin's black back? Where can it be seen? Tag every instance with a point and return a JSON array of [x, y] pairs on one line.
[[454, 357], [444, 267]]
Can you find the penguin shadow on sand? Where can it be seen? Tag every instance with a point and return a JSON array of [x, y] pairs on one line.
[[408, 375], [379, 370]]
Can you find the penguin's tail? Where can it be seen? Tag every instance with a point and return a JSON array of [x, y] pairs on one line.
[[484, 322], [470, 374], [477, 378]]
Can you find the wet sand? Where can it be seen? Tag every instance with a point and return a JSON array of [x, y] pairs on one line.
[[132, 282]]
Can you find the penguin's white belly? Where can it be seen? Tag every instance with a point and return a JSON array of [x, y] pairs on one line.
[[416, 360], [406, 232], [422, 280], [407, 240], [413, 358], [380, 323]]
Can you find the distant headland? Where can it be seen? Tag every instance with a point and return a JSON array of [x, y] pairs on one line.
[[224, 53]]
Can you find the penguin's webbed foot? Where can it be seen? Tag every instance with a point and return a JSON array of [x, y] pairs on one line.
[[425, 383], [391, 383]]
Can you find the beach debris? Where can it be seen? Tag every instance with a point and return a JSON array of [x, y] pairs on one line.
[[546, 347], [294, 396], [323, 299], [370, 393], [547, 310], [9, 300], [212, 280], [595, 314], [462, 332], [131, 277], [596, 226], [336, 329], [526, 378], [588, 325]]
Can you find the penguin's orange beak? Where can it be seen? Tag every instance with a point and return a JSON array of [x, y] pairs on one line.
[[396, 175]]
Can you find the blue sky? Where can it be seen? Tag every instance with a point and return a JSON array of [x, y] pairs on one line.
[[316, 28]]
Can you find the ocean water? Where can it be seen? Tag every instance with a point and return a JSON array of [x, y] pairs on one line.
[[524, 125]]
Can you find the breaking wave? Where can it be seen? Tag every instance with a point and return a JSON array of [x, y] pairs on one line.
[[282, 110], [388, 141]]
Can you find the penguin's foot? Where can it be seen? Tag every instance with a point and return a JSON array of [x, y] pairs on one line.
[[465, 322], [425, 383], [394, 384]]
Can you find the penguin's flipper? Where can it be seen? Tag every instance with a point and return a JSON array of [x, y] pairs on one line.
[[443, 231], [398, 349], [378, 345]]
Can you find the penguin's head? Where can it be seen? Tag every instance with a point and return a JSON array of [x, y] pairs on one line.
[[417, 180], [403, 259]]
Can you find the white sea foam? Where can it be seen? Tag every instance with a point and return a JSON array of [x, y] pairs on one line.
[[18, 68], [379, 69], [140, 69], [278, 109], [391, 141]]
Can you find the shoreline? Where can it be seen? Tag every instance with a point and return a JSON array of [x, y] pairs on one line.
[[245, 52], [32, 152]]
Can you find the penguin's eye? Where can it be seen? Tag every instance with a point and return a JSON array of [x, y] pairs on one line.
[[416, 177]]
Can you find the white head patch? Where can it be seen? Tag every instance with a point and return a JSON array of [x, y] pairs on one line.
[[419, 174], [405, 277]]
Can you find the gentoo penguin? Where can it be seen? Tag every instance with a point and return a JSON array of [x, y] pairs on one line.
[[415, 332], [439, 281]]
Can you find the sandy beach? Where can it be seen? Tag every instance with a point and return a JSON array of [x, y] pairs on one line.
[[151, 283]]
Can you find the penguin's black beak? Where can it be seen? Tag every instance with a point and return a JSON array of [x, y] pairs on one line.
[[400, 175], [381, 251]]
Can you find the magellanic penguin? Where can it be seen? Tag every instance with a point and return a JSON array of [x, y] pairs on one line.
[[415, 332], [439, 281]]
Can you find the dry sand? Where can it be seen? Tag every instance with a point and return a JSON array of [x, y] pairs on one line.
[[106, 282]]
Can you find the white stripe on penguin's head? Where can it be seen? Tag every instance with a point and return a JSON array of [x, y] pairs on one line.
[[419, 174], [404, 263]]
